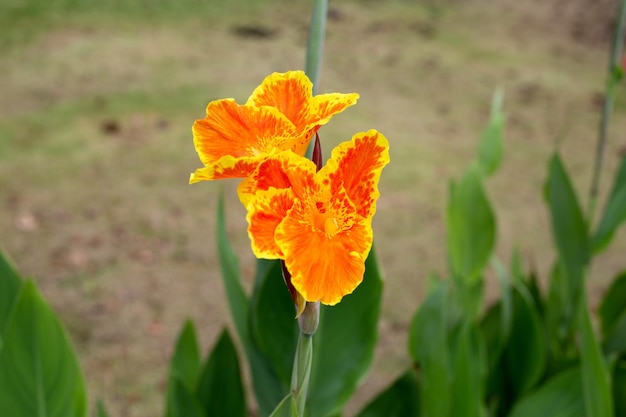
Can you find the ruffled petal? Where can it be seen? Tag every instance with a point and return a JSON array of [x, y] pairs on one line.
[[265, 212], [356, 166], [289, 92], [282, 170], [241, 131], [323, 266], [226, 167]]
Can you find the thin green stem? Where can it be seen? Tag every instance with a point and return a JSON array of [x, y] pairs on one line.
[[302, 371], [614, 76], [315, 45], [315, 49]]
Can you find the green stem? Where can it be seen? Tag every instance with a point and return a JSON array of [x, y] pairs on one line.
[[315, 45], [613, 79], [302, 371], [315, 49]]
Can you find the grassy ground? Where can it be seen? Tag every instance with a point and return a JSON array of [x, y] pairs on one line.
[[96, 107]]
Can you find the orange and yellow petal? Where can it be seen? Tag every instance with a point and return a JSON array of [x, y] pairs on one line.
[[241, 131], [281, 170], [324, 266], [356, 166], [289, 92], [265, 212], [226, 167]]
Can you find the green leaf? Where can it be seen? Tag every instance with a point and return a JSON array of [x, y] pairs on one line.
[[272, 321], [560, 396], [220, 391], [39, 372], [612, 314], [619, 387], [286, 408], [428, 346], [490, 146], [10, 282], [526, 352], [401, 399], [469, 372], [595, 374], [237, 299], [471, 227], [343, 347], [101, 410], [614, 212], [568, 227], [186, 361], [184, 369], [182, 402]]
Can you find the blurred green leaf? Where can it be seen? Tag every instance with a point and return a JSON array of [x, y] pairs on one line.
[[343, 347], [272, 321], [612, 314], [471, 227], [619, 387], [186, 361], [286, 408], [569, 229], [469, 372], [401, 399], [40, 375], [560, 396], [614, 212], [10, 282], [220, 390], [490, 146], [595, 374], [428, 346], [101, 410], [182, 402], [237, 299], [184, 369], [526, 352]]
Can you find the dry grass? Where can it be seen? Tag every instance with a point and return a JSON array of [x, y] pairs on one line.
[[95, 152]]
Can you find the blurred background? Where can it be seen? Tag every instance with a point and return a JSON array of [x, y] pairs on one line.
[[97, 99]]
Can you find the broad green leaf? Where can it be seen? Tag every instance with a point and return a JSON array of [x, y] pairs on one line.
[[469, 371], [595, 374], [526, 352], [614, 212], [568, 227], [184, 369], [612, 314], [186, 361], [268, 388], [39, 372], [101, 410], [401, 399], [237, 299], [286, 408], [471, 227], [560, 319], [560, 396], [490, 146], [429, 348], [10, 283], [343, 347], [182, 402], [619, 387], [220, 390], [272, 320]]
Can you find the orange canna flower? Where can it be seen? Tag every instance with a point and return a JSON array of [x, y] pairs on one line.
[[319, 223], [281, 114]]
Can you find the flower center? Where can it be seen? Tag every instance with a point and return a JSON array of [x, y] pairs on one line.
[[330, 226]]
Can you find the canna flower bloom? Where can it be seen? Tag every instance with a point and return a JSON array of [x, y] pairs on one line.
[[281, 114], [319, 223]]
